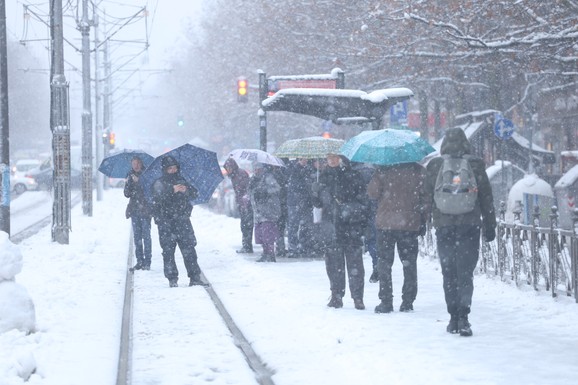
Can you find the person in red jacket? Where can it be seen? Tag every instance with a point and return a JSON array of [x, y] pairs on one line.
[[240, 180]]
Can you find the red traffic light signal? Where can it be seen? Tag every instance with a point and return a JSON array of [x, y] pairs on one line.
[[242, 90]]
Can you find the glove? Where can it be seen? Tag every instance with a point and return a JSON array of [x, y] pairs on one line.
[[489, 233], [422, 229]]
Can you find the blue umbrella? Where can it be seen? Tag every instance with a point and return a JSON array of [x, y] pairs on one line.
[[118, 165], [198, 166], [386, 147]]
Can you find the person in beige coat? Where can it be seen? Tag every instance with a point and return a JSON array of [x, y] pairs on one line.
[[399, 220]]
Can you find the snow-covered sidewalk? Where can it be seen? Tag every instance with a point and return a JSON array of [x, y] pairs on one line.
[[520, 337]]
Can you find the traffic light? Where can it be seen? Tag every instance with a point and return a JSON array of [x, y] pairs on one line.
[[180, 121], [242, 90], [111, 140], [105, 138]]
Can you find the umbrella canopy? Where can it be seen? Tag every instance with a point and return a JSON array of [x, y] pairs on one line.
[[198, 166], [386, 147], [309, 148], [119, 165], [253, 155]]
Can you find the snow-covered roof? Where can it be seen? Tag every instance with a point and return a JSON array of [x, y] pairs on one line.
[[477, 114], [568, 178], [526, 143], [496, 167], [333, 75], [377, 96]]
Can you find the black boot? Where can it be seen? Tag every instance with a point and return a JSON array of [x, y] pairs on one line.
[[358, 303], [267, 258], [453, 324], [406, 306], [138, 266], [245, 250], [464, 327], [335, 301], [196, 281], [173, 282], [374, 276], [384, 307]]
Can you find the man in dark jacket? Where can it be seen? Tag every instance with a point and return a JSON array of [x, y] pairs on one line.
[[299, 207], [240, 181], [138, 211], [338, 185], [458, 236], [172, 196]]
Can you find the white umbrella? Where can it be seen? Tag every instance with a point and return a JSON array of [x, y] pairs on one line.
[[254, 155]]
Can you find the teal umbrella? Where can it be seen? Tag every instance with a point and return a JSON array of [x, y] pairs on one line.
[[386, 147]]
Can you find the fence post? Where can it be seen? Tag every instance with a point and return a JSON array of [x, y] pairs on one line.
[[552, 250], [535, 247], [574, 253], [499, 264], [516, 253]]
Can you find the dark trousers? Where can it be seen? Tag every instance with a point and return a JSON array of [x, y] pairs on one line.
[[336, 259], [299, 227], [407, 249], [141, 231], [179, 232], [458, 249], [247, 227]]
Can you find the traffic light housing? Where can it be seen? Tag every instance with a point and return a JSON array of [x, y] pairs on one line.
[[111, 140], [242, 90], [180, 121]]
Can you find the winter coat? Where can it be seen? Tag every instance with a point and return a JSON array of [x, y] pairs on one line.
[[399, 191], [299, 182], [265, 193], [240, 181], [137, 204], [456, 144], [169, 205], [339, 185]]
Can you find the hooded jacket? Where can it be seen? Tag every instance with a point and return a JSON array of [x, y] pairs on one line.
[[456, 144], [240, 181], [167, 204]]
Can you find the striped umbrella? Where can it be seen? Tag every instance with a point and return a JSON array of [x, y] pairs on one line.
[[309, 148]]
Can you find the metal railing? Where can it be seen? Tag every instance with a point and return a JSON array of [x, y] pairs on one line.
[[544, 258]]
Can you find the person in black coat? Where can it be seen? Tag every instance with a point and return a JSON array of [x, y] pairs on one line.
[[139, 213], [301, 175], [340, 185], [172, 196]]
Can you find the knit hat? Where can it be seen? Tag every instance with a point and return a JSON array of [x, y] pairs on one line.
[[168, 161]]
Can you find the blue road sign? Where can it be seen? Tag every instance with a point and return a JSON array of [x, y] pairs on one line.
[[398, 114], [504, 128]]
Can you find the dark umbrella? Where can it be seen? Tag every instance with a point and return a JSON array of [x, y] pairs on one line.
[[119, 165], [198, 166]]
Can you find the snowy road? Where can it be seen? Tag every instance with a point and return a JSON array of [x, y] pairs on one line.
[[520, 337]]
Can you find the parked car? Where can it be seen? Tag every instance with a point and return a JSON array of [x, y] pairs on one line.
[[44, 178], [20, 182]]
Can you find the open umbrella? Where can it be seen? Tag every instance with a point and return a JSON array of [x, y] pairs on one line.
[[119, 165], [386, 147], [198, 166], [253, 155], [309, 148]]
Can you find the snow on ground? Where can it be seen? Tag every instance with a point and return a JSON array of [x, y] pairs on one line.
[[520, 336]]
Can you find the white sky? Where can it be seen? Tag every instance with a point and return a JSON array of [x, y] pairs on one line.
[[520, 336]]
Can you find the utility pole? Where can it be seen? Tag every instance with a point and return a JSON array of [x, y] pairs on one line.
[[59, 125], [97, 126], [4, 127], [106, 107], [84, 27]]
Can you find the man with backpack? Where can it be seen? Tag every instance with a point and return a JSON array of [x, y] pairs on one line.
[[462, 205]]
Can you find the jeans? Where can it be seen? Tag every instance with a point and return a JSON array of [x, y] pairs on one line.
[[141, 229]]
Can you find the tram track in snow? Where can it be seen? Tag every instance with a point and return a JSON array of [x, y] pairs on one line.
[[263, 374]]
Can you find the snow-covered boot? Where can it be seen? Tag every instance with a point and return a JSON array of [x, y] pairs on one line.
[[453, 324], [335, 301], [384, 307], [464, 327]]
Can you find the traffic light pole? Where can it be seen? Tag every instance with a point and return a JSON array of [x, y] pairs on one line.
[[59, 125], [4, 127], [86, 114], [262, 114]]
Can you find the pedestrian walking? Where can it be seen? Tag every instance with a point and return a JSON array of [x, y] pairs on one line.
[[172, 196], [340, 193], [139, 213], [459, 191], [367, 171], [240, 180], [265, 194], [399, 191], [301, 175]]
